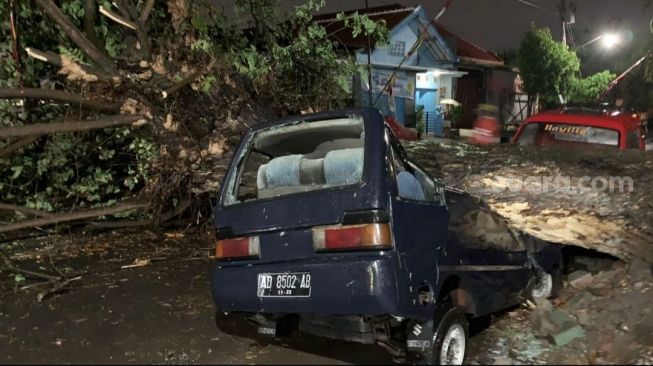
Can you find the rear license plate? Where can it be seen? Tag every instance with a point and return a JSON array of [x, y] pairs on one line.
[[284, 284]]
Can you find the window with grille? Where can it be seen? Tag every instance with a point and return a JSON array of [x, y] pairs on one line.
[[397, 49]]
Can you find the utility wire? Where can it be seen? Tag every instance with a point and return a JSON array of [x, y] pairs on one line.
[[534, 5]]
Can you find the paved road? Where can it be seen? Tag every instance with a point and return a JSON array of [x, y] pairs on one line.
[[160, 314]]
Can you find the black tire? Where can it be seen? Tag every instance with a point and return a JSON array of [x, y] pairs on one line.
[[451, 320]]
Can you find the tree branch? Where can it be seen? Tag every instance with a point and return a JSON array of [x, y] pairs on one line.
[[97, 55], [10, 265], [117, 18], [147, 9], [59, 96], [73, 126], [25, 210], [17, 145], [57, 60], [90, 16], [73, 216], [143, 44], [183, 206]]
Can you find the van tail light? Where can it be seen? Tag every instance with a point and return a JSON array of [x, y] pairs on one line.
[[352, 237], [237, 248]]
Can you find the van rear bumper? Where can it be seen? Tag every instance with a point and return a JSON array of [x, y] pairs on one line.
[[340, 285]]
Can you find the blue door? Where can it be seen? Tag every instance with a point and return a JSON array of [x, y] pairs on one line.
[[428, 99]]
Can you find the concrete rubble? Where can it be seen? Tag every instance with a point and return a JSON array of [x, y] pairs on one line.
[[603, 315]]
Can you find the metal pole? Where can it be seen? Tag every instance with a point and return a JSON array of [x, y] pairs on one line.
[[369, 64], [563, 15]]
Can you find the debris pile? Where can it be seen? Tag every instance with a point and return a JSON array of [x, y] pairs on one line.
[[519, 183], [603, 316]]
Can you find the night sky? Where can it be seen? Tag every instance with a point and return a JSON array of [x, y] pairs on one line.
[[499, 25]]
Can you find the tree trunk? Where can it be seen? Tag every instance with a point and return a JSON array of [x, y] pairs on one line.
[[73, 126]]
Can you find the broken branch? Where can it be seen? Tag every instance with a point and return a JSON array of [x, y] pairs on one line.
[[58, 96], [117, 18], [10, 265], [73, 126], [57, 60], [73, 216], [97, 55]]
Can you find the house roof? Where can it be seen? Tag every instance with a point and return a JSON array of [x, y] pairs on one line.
[[392, 15], [470, 52]]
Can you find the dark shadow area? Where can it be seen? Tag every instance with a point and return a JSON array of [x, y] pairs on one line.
[[577, 258], [349, 352]]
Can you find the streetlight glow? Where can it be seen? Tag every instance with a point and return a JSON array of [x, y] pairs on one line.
[[610, 40]]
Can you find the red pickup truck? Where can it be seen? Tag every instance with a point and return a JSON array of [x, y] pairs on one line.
[[582, 128]]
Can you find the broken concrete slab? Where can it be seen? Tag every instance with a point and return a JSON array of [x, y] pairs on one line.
[[583, 316], [566, 336], [601, 290], [639, 270], [576, 274], [541, 322], [574, 302], [560, 318], [580, 281]]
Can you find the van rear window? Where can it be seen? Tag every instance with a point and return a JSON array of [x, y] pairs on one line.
[[298, 157], [542, 134]]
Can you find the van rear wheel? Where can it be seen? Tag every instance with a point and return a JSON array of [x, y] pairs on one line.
[[449, 340]]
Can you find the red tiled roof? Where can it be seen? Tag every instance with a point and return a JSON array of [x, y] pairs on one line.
[[468, 51], [391, 14]]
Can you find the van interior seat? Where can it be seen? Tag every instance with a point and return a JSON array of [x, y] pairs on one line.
[[279, 172], [337, 167], [344, 166]]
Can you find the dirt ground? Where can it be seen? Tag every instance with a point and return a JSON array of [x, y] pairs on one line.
[[160, 311]]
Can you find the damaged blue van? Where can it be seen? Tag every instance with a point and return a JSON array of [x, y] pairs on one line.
[[324, 226]]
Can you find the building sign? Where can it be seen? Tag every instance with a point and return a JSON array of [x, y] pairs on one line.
[[404, 87]]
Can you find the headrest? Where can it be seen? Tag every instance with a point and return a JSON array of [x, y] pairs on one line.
[[343, 166]]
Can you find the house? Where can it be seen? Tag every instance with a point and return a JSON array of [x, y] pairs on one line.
[[486, 80], [425, 77]]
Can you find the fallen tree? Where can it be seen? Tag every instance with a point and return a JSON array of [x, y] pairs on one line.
[[548, 193], [84, 73]]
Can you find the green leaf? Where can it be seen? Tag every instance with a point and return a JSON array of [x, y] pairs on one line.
[[16, 171], [199, 22]]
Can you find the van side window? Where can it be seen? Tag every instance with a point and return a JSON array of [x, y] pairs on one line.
[[433, 190], [412, 183]]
